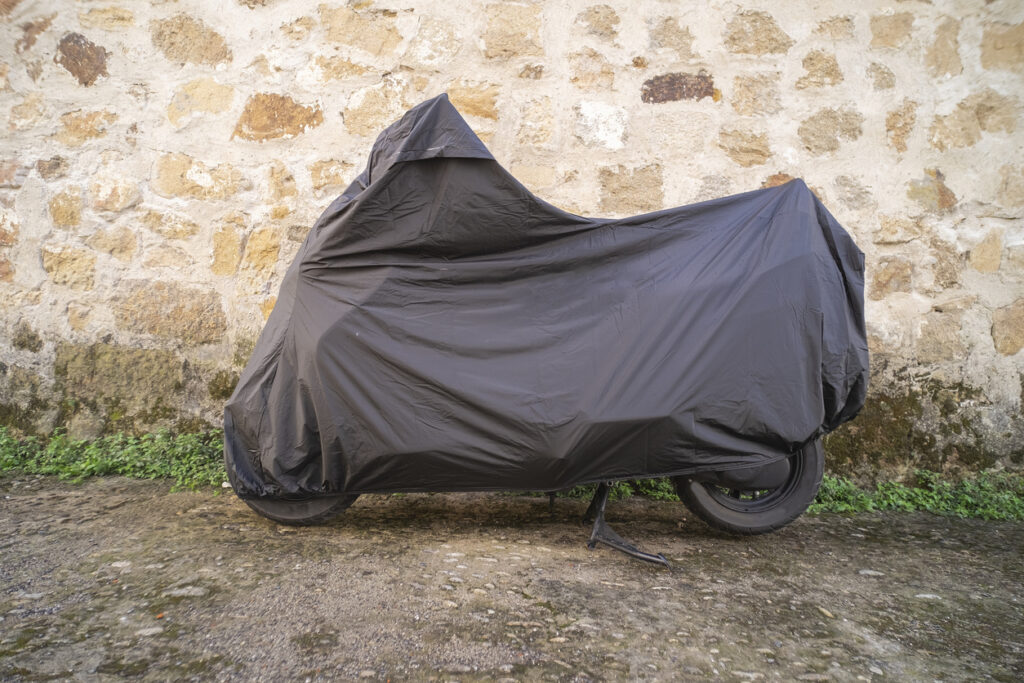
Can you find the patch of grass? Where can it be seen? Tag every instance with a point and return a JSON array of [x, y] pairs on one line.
[[989, 495], [191, 460]]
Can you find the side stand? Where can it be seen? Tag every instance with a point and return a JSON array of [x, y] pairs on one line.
[[603, 533]]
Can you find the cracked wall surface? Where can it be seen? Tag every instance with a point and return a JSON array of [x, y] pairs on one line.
[[161, 163]]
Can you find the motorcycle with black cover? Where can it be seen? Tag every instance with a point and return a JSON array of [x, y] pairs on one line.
[[443, 329]]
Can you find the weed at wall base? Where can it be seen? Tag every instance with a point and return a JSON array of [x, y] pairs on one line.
[[191, 460], [194, 460]]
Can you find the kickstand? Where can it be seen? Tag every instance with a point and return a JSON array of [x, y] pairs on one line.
[[603, 533]]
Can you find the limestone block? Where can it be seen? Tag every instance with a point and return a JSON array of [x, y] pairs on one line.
[[79, 316], [745, 147], [899, 123], [261, 252], [986, 256], [8, 229], [590, 70], [890, 274], [270, 115], [69, 266], [987, 111], [599, 20], [267, 306], [373, 31], [948, 264], [120, 242], [931, 191], [475, 99], [371, 109], [535, 177], [836, 28], [513, 30], [821, 132], [137, 379], [201, 95], [169, 225], [1011, 186], [756, 94], [338, 68], [882, 77], [667, 33], [531, 71], [106, 18], [776, 179], [943, 55], [895, 229], [1002, 47], [78, 127], [435, 44], [853, 194], [227, 250], [26, 338], [27, 113], [281, 182], [52, 168], [891, 30], [66, 208], [169, 310], [186, 40], [629, 191], [1008, 328], [821, 69], [756, 33], [299, 29], [113, 193], [940, 339], [600, 125], [179, 175], [166, 256], [330, 174], [536, 123]]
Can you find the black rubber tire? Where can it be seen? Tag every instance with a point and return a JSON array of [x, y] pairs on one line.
[[301, 512], [774, 510]]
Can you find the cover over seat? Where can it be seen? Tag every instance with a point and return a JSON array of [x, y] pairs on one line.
[[442, 328]]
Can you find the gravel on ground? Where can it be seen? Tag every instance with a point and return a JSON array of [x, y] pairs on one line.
[[115, 578]]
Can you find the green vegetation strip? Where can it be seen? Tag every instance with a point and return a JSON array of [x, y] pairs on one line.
[[191, 460], [195, 460]]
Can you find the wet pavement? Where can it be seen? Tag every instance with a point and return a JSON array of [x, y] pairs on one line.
[[116, 579]]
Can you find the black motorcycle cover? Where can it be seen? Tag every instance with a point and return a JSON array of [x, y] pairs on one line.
[[442, 328]]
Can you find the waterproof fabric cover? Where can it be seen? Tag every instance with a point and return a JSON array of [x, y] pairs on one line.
[[442, 328]]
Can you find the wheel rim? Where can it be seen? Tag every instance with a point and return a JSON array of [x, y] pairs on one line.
[[757, 500]]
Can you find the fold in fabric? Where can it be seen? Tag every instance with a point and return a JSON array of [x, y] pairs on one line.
[[442, 328]]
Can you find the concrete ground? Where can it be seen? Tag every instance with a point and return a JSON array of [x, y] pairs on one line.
[[116, 579]]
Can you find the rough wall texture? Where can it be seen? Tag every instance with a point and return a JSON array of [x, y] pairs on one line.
[[161, 163]]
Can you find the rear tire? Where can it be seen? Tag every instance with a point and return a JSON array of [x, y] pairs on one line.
[[761, 511], [301, 512]]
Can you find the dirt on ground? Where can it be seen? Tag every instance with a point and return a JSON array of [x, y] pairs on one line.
[[116, 579]]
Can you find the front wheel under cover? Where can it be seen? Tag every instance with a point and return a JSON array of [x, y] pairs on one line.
[[757, 511], [301, 512]]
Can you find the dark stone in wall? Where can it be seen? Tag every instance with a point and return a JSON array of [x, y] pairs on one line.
[[26, 338], [678, 86], [84, 59]]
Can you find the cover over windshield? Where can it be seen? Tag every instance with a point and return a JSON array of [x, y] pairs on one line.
[[442, 328]]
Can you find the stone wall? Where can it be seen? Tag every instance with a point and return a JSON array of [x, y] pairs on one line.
[[161, 163]]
